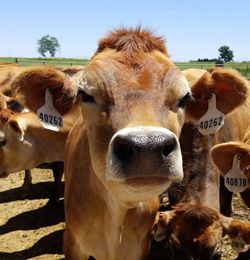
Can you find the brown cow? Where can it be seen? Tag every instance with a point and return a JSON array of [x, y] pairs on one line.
[[223, 155], [35, 146], [27, 144], [10, 78], [124, 150], [233, 130], [234, 139], [194, 228]]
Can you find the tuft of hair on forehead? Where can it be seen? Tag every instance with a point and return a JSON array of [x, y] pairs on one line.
[[129, 40]]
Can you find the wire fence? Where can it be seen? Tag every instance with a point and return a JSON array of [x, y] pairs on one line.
[[242, 67], [43, 61]]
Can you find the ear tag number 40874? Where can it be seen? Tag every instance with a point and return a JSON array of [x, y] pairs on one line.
[[235, 180], [212, 120], [48, 116]]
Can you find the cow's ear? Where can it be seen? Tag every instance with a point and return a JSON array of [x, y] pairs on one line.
[[230, 88], [223, 155], [30, 86], [236, 228], [18, 127]]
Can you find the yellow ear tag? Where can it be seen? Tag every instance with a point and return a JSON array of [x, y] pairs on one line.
[[212, 120], [234, 179], [49, 117]]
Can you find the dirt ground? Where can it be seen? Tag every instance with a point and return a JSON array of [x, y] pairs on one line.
[[29, 229]]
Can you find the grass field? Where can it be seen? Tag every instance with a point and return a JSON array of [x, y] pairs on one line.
[[242, 67], [44, 61]]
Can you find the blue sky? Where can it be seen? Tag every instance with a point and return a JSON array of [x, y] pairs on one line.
[[192, 28]]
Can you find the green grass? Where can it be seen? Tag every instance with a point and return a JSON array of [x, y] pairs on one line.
[[45, 61], [242, 67]]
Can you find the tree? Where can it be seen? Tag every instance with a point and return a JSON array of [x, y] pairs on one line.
[[48, 44], [226, 54]]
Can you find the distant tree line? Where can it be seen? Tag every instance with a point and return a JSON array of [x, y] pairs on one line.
[[208, 60], [226, 55]]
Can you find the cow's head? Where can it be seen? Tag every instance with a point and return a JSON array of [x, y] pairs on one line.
[[230, 88], [223, 156], [131, 95], [195, 232]]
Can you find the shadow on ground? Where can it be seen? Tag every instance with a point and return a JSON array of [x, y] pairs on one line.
[[50, 244]]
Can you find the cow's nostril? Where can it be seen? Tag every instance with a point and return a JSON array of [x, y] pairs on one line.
[[122, 150], [3, 142], [168, 148]]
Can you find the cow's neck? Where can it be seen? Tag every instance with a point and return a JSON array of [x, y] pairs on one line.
[[122, 223], [203, 178], [119, 231], [51, 144]]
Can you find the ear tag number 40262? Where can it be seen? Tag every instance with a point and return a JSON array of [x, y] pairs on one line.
[[212, 120], [48, 116], [235, 180]]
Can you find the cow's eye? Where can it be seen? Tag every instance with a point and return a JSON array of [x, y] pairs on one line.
[[86, 98], [182, 102]]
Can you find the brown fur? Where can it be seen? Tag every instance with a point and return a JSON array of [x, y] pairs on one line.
[[36, 147], [42, 78], [72, 70], [131, 42], [223, 155], [190, 221], [226, 84], [7, 76], [238, 228], [119, 87]]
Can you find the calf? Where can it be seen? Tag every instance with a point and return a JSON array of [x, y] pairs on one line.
[[124, 151]]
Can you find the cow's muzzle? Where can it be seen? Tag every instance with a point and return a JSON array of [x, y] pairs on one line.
[[144, 152]]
